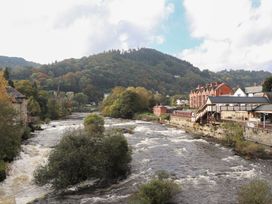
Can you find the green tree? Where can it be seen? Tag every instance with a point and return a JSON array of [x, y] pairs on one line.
[[10, 132], [80, 99], [94, 124], [125, 106], [79, 157], [25, 87], [267, 85], [33, 107]]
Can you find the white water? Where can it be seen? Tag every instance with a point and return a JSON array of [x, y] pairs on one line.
[[207, 172], [19, 187]]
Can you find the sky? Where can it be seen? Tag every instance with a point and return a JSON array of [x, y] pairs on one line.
[[210, 34]]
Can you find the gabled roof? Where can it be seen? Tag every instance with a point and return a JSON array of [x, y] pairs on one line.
[[14, 93], [234, 99]]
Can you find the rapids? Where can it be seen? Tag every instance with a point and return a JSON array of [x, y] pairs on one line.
[[206, 171]]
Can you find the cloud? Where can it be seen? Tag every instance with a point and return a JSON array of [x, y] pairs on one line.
[[49, 30], [235, 34]]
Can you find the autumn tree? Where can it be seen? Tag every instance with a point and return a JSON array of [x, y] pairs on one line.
[[3, 91]]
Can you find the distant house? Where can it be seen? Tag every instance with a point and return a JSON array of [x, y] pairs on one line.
[[19, 103], [159, 110], [239, 92], [253, 90], [181, 102], [199, 96]]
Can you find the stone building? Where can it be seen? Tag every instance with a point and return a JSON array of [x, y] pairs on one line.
[[199, 96], [19, 103]]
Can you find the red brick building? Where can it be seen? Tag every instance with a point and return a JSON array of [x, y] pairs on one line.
[[199, 96], [159, 110]]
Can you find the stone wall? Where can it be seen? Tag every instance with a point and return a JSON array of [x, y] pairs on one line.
[[261, 136], [194, 128]]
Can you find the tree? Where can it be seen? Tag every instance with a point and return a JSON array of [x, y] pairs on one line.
[[10, 132], [33, 107], [125, 106], [94, 124], [267, 85], [79, 157], [80, 99], [3, 91], [25, 87]]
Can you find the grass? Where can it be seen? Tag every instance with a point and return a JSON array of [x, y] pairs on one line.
[[255, 192]]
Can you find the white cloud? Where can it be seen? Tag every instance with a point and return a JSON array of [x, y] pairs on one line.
[[48, 30], [234, 34]]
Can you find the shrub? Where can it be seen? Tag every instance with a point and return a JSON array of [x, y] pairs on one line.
[[250, 149], [2, 170], [256, 192], [145, 116], [10, 132], [26, 133], [117, 154], [94, 124], [157, 191], [234, 132], [79, 157]]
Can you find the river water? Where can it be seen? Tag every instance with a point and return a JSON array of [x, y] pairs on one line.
[[206, 171]]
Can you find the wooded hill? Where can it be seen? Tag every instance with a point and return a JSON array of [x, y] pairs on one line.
[[16, 62], [144, 67]]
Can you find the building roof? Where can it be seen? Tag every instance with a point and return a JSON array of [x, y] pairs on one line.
[[261, 108], [14, 93], [234, 99], [253, 89]]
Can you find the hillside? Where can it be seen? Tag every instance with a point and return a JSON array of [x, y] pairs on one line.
[[144, 67], [16, 62]]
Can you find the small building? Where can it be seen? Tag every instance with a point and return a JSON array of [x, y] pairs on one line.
[[159, 110], [199, 96], [19, 103]]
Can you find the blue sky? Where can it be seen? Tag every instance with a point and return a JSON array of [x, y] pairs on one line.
[[210, 34], [176, 32]]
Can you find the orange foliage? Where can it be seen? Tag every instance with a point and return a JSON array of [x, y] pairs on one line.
[[3, 91]]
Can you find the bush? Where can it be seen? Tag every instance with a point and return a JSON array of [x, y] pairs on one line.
[[157, 191], [79, 157], [145, 116], [250, 149], [256, 192], [234, 132], [27, 133], [10, 132], [117, 154], [94, 124], [2, 170]]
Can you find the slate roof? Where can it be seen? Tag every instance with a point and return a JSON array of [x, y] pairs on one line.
[[264, 108], [14, 93], [234, 99]]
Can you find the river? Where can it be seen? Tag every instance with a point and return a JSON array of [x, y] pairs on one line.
[[206, 171]]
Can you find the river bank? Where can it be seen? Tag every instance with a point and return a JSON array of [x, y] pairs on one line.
[[221, 134]]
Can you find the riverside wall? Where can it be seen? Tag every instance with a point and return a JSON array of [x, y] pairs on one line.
[[260, 136], [195, 128]]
